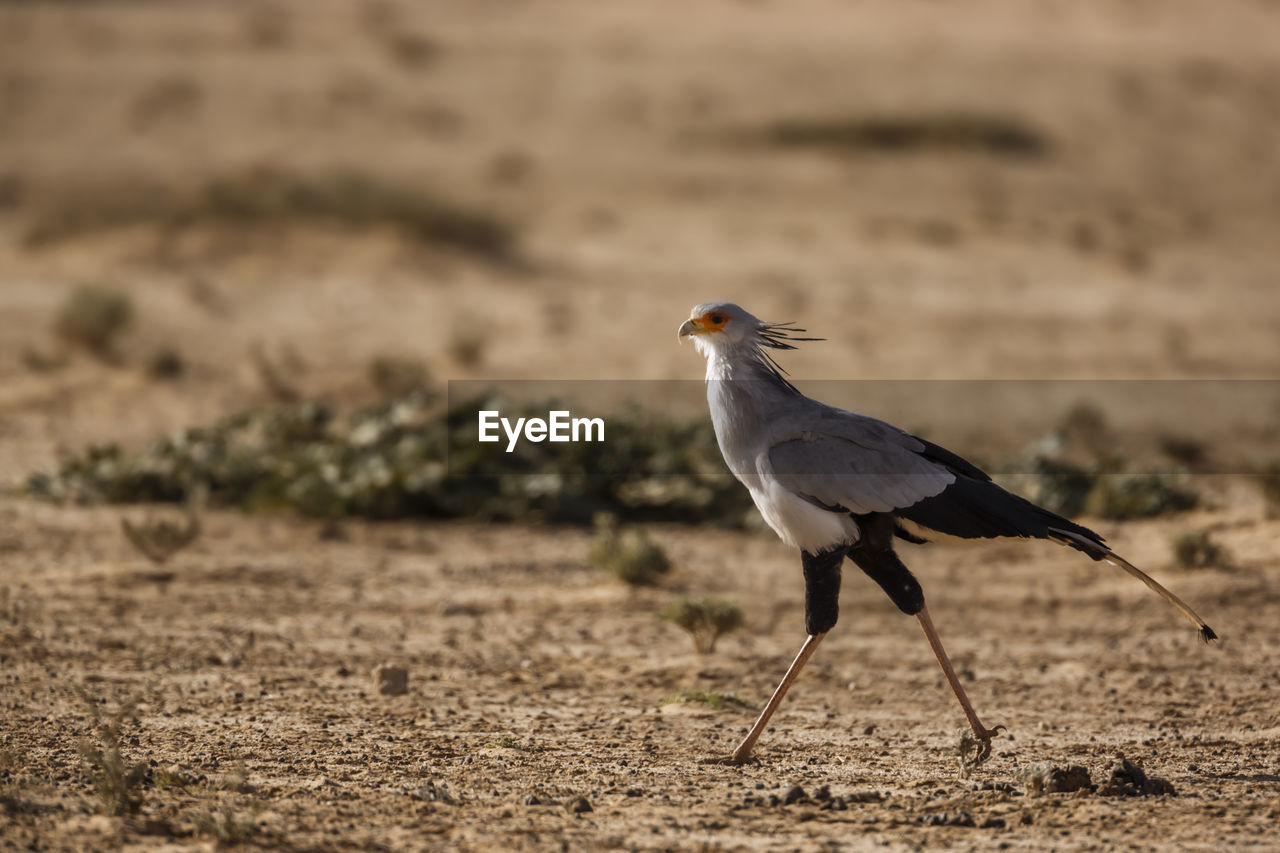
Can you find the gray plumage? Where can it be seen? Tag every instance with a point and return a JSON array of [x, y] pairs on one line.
[[818, 474], [837, 485]]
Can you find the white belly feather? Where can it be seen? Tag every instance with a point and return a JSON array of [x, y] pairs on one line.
[[799, 523]]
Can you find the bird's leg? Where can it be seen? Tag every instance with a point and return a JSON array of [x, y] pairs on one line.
[[748, 743], [821, 610], [980, 732]]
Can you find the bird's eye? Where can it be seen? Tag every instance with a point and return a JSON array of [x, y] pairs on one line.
[[717, 319]]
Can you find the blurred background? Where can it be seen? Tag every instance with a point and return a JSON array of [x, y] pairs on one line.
[[248, 246], [210, 207]]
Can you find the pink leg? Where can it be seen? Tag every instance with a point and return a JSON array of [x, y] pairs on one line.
[[806, 651], [981, 732]]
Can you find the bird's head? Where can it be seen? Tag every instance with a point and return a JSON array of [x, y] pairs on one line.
[[718, 327], [716, 324]]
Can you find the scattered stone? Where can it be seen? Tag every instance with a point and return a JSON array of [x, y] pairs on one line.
[[579, 805], [1129, 780], [794, 795], [993, 823], [332, 531], [960, 818], [532, 800], [391, 680], [429, 793], [634, 792], [1044, 778]]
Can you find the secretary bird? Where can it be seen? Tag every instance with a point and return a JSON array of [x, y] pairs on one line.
[[836, 484]]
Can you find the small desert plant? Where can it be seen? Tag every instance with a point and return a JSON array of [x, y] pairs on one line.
[[412, 50], [226, 826], [1269, 482], [273, 376], [1187, 451], [713, 699], [235, 780], [264, 197], [117, 783], [627, 553], [990, 134], [1195, 549], [93, 317], [39, 361], [394, 376], [166, 363], [1126, 496], [171, 779], [159, 539], [706, 620], [466, 346], [513, 742]]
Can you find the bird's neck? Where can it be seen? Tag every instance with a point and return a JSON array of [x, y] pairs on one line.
[[747, 364], [742, 363], [741, 391]]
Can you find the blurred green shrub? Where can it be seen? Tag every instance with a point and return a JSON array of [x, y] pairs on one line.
[[1126, 496], [1268, 480], [1195, 549], [946, 131], [410, 457], [706, 620], [627, 553], [394, 376], [93, 317], [267, 196], [413, 457]]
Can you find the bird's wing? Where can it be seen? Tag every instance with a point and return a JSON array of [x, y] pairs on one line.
[[849, 462]]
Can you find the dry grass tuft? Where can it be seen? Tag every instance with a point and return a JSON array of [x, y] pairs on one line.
[[706, 620], [158, 539], [266, 197], [394, 376], [117, 783], [1195, 549], [995, 135], [1269, 482], [627, 553], [713, 699], [93, 317], [228, 827]]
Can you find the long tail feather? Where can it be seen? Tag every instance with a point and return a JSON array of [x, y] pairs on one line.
[[1102, 552]]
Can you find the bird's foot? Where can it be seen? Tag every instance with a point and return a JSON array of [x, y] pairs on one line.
[[975, 745]]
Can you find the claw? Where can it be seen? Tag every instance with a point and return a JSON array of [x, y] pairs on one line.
[[975, 745], [728, 761]]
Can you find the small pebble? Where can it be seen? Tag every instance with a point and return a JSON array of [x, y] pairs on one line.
[[391, 680]]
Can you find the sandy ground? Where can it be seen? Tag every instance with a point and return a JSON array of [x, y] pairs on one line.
[[535, 680], [611, 136]]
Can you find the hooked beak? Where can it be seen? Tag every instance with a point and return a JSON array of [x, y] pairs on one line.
[[687, 328]]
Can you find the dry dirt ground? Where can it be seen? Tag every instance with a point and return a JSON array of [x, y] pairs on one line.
[[535, 680], [622, 143]]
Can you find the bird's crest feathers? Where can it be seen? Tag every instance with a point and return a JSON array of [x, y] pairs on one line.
[[779, 335]]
